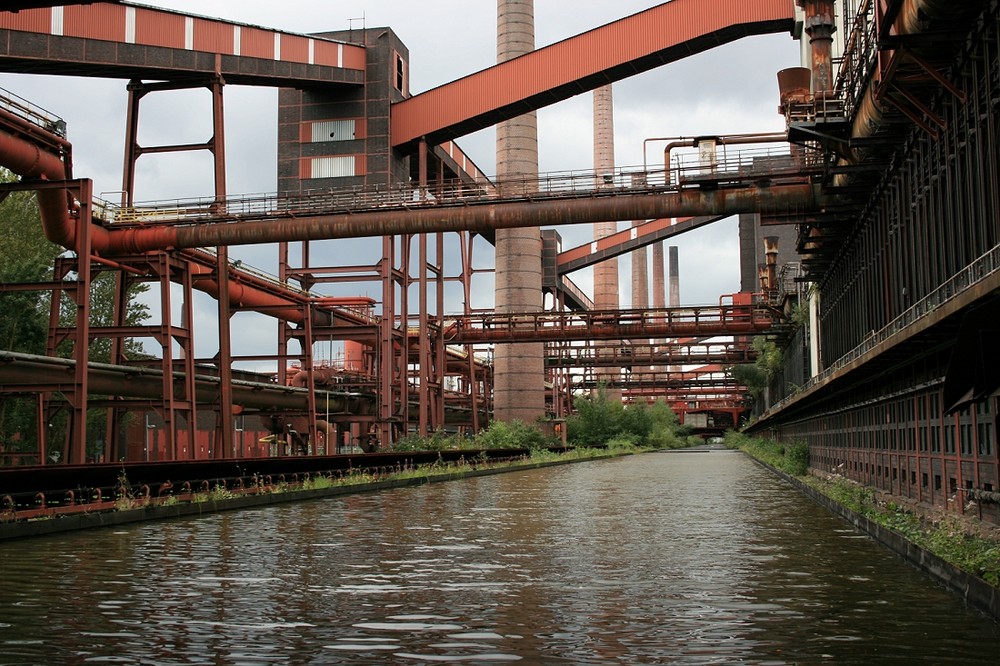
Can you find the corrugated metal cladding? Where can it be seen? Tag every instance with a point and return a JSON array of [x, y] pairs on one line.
[[598, 50], [28, 20], [294, 50], [212, 36], [148, 26], [256, 43], [462, 161], [338, 55], [99, 21]]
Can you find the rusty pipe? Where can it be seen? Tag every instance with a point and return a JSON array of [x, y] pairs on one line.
[[913, 18], [795, 197], [28, 128], [915, 13], [30, 371], [31, 162], [820, 26], [771, 262], [250, 292], [723, 140]]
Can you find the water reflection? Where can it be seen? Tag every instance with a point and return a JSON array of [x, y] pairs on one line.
[[691, 557]]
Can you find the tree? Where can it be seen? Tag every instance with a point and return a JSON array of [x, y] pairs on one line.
[[26, 257], [758, 375]]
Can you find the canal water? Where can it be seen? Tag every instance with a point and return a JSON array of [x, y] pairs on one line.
[[673, 557]]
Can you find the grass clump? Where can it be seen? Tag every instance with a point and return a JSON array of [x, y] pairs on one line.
[[791, 459], [945, 538]]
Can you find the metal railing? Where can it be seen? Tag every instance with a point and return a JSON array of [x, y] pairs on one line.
[[729, 166], [32, 113], [985, 266]]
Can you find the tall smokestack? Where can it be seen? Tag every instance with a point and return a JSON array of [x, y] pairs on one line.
[[606, 272], [675, 279], [640, 270], [659, 283], [674, 282], [518, 370]]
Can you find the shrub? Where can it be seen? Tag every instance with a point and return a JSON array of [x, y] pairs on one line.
[[515, 434], [439, 440], [599, 420]]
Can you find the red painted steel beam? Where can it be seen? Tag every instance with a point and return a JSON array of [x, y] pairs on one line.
[[627, 240], [610, 324], [637, 43]]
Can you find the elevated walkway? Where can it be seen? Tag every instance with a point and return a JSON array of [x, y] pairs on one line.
[[735, 184], [747, 319], [635, 354], [131, 41]]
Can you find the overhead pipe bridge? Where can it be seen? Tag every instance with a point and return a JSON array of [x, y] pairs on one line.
[[662, 34]]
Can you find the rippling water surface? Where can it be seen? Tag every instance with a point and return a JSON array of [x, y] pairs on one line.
[[661, 558]]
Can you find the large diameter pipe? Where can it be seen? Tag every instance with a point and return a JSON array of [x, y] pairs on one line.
[[912, 20], [31, 371], [28, 160], [773, 199], [248, 292], [31, 162], [914, 13]]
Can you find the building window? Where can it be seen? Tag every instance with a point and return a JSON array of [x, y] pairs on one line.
[[333, 130], [331, 167], [399, 73]]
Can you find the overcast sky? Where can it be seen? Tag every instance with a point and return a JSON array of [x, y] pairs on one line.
[[731, 89]]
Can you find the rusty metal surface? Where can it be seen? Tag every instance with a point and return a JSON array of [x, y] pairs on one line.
[[634, 44], [611, 324], [628, 240], [637, 354], [28, 372], [33, 492], [797, 197]]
